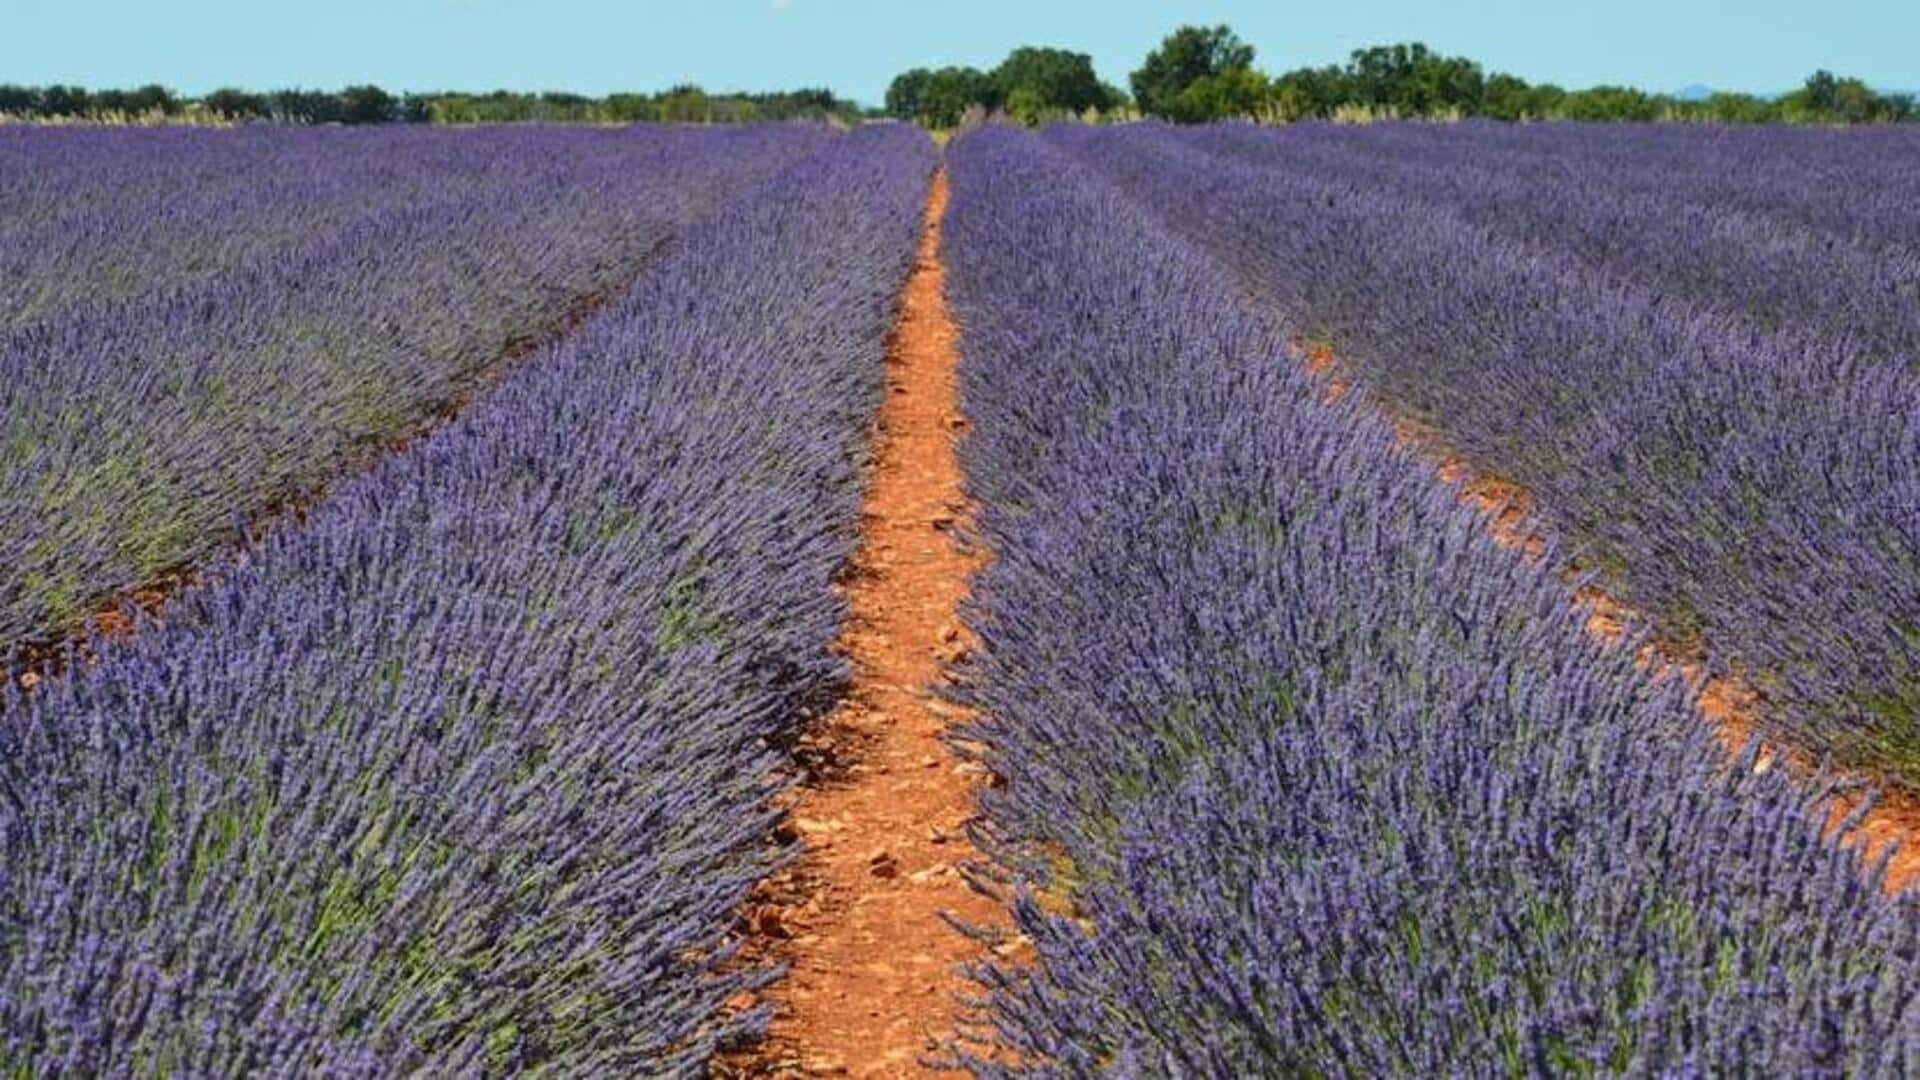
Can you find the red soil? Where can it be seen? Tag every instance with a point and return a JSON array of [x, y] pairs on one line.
[[1729, 703], [873, 965]]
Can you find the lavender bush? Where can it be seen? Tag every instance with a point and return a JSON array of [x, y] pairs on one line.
[[468, 774], [167, 371], [1857, 185], [1304, 774], [1567, 190], [1759, 491]]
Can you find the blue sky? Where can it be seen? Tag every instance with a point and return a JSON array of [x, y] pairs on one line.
[[856, 46]]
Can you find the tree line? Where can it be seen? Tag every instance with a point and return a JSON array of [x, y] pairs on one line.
[[373, 105], [1198, 74]]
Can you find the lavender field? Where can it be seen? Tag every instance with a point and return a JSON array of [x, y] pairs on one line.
[[1288, 764], [172, 366]]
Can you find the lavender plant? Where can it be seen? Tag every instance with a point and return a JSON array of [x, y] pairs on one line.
[[169, 371], [469, 774], [1568, 191], [1304, 775], [1757, 491]]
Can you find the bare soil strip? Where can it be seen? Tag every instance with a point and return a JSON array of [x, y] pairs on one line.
[[1729, 703], [874, 967], [36, 660]]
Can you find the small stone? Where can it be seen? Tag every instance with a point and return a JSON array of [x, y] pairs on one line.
[[929, 762], [937, 835], [942, 521], [949, 633]]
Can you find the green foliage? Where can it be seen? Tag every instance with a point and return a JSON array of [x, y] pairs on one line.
[[1738, 109], [234, 103], [1609, 103], [1051, 81], [369, 104], [1412, 80], [1828, 99], [1187, 56], [938, 98], [1308, 93], [366, 105], [1233, 93], [1027, 105], [1509, 97]]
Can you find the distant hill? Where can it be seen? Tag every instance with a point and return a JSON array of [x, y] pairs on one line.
[[1695, 92]]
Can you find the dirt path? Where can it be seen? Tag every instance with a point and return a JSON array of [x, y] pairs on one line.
[[873, 964], [1728, 703]]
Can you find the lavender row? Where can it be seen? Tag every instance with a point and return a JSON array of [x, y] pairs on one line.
[[469, 773], [1853, 185], [1759, 492], [97, 216], [1304, 775], [142, 430], [1635, 225]]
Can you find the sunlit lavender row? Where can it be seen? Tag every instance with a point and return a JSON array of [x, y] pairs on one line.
[[1305, 775], [468, 774], [1810, 251], [1758, 491], [194, 325]]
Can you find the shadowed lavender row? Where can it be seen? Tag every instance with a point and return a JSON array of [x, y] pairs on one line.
[[268, 333], [470, 772], [1304, 774], [1760, 491]]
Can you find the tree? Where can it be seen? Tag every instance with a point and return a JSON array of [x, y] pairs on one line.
[[1821, 92], [1412, 80], [1052, 79], [18, 100], [235, 104], [1609, 103], [1187, 56], [905, 92], [1027, 105], [304, 107], [685, 104], [1230, 94], [64, 101], [1509, 97], [1310, 93], [1728, 108], [366, 105], [936, 99], [1827, 98]]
